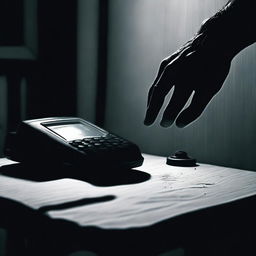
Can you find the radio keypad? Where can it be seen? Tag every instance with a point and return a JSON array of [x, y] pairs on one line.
[[99, 143]]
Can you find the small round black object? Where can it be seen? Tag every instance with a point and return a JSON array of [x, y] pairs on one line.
[[181, 158]]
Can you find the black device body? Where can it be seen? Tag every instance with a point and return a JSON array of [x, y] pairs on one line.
[[70, 141]]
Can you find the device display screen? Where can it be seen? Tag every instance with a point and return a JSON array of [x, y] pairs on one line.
[[75, 131]]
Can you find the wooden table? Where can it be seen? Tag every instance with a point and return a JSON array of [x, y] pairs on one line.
[[143, 211]]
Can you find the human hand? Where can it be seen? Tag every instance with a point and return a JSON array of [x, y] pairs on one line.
[[200, 66]]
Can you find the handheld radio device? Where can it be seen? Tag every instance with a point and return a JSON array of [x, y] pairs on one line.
[[72, 141]]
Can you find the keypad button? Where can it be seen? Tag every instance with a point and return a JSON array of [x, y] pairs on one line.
[[96, 138], [103, 144], [73, 144], [77, 141], [85, 143]]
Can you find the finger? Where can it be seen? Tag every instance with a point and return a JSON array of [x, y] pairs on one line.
[[163, 85], [156, 102], [177, 56], [202, 97], [162, 88], [199, 102], [159, 91], [163, 65], [178, 100], [150, 94], [172, 69]]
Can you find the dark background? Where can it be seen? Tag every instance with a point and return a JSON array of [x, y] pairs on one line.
[[97, 58]]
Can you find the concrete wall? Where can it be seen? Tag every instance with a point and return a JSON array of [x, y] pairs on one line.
[[141, 34]]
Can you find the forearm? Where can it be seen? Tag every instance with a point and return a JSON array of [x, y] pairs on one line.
[[232, 28]]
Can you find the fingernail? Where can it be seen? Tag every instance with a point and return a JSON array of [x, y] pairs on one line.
[[166, 123], [181, 124], [147, 122]]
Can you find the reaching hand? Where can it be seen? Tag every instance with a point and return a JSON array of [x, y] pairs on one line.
[[200, 66]]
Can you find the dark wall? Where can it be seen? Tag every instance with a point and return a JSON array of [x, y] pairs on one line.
[[38, 61], [11, 34], [87, 47]]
